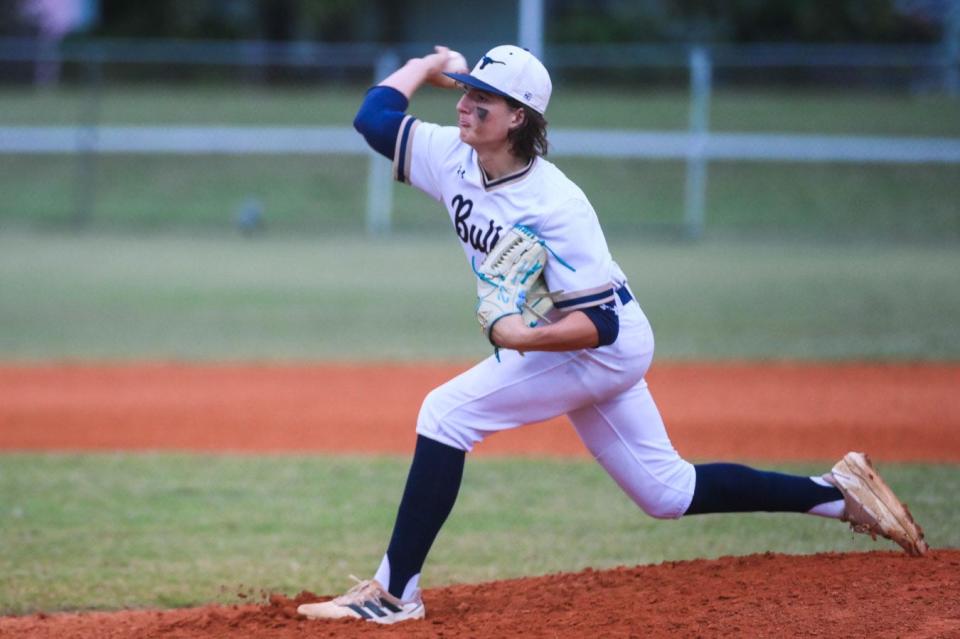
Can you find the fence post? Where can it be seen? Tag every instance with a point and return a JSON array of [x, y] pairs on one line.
[[695, 195], [87, 134], [46, 67], [951, 45], [379, 175], [530, 26]]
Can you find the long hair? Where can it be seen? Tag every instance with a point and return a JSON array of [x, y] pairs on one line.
[[528, 140]]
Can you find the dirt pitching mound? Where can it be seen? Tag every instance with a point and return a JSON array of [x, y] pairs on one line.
[[876, 594]]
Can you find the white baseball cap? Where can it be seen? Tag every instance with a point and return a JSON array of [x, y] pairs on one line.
[[512, 72]]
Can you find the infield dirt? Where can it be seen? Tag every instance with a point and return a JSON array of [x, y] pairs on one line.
[[770, 412], [773, 411]]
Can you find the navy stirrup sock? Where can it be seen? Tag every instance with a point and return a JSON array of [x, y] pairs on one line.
[[732, 488], [428, 498]]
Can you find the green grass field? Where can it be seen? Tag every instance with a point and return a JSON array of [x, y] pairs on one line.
[[115, 531], [636, 198], [84, 296]]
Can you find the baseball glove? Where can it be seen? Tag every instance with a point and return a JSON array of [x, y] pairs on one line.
[[507, 279], [538, 304]]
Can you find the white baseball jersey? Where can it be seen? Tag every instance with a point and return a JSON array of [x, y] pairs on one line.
[[539, 196]]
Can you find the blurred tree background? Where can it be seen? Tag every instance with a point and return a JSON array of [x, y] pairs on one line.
[[876, 21], [568, 21]]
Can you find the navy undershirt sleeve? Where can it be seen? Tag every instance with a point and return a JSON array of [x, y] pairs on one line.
[[605, 318], [379, 117]]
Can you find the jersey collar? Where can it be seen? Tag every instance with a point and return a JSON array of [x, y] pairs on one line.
[[490, 185]]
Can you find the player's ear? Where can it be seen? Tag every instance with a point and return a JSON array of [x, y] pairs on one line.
[[517, 118]]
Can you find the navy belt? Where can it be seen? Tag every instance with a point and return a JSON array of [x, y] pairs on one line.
[[624, 294]]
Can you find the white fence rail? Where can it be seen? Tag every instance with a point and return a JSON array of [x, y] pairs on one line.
[[188, 140], [602, 143]]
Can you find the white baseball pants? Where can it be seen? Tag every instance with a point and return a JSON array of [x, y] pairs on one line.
[[602, 391]]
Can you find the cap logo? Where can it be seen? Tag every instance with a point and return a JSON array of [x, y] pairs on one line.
[[488, 60]]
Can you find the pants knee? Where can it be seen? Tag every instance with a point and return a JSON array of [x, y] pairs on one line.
[[662, 488], [662, 506], [431, 422]]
